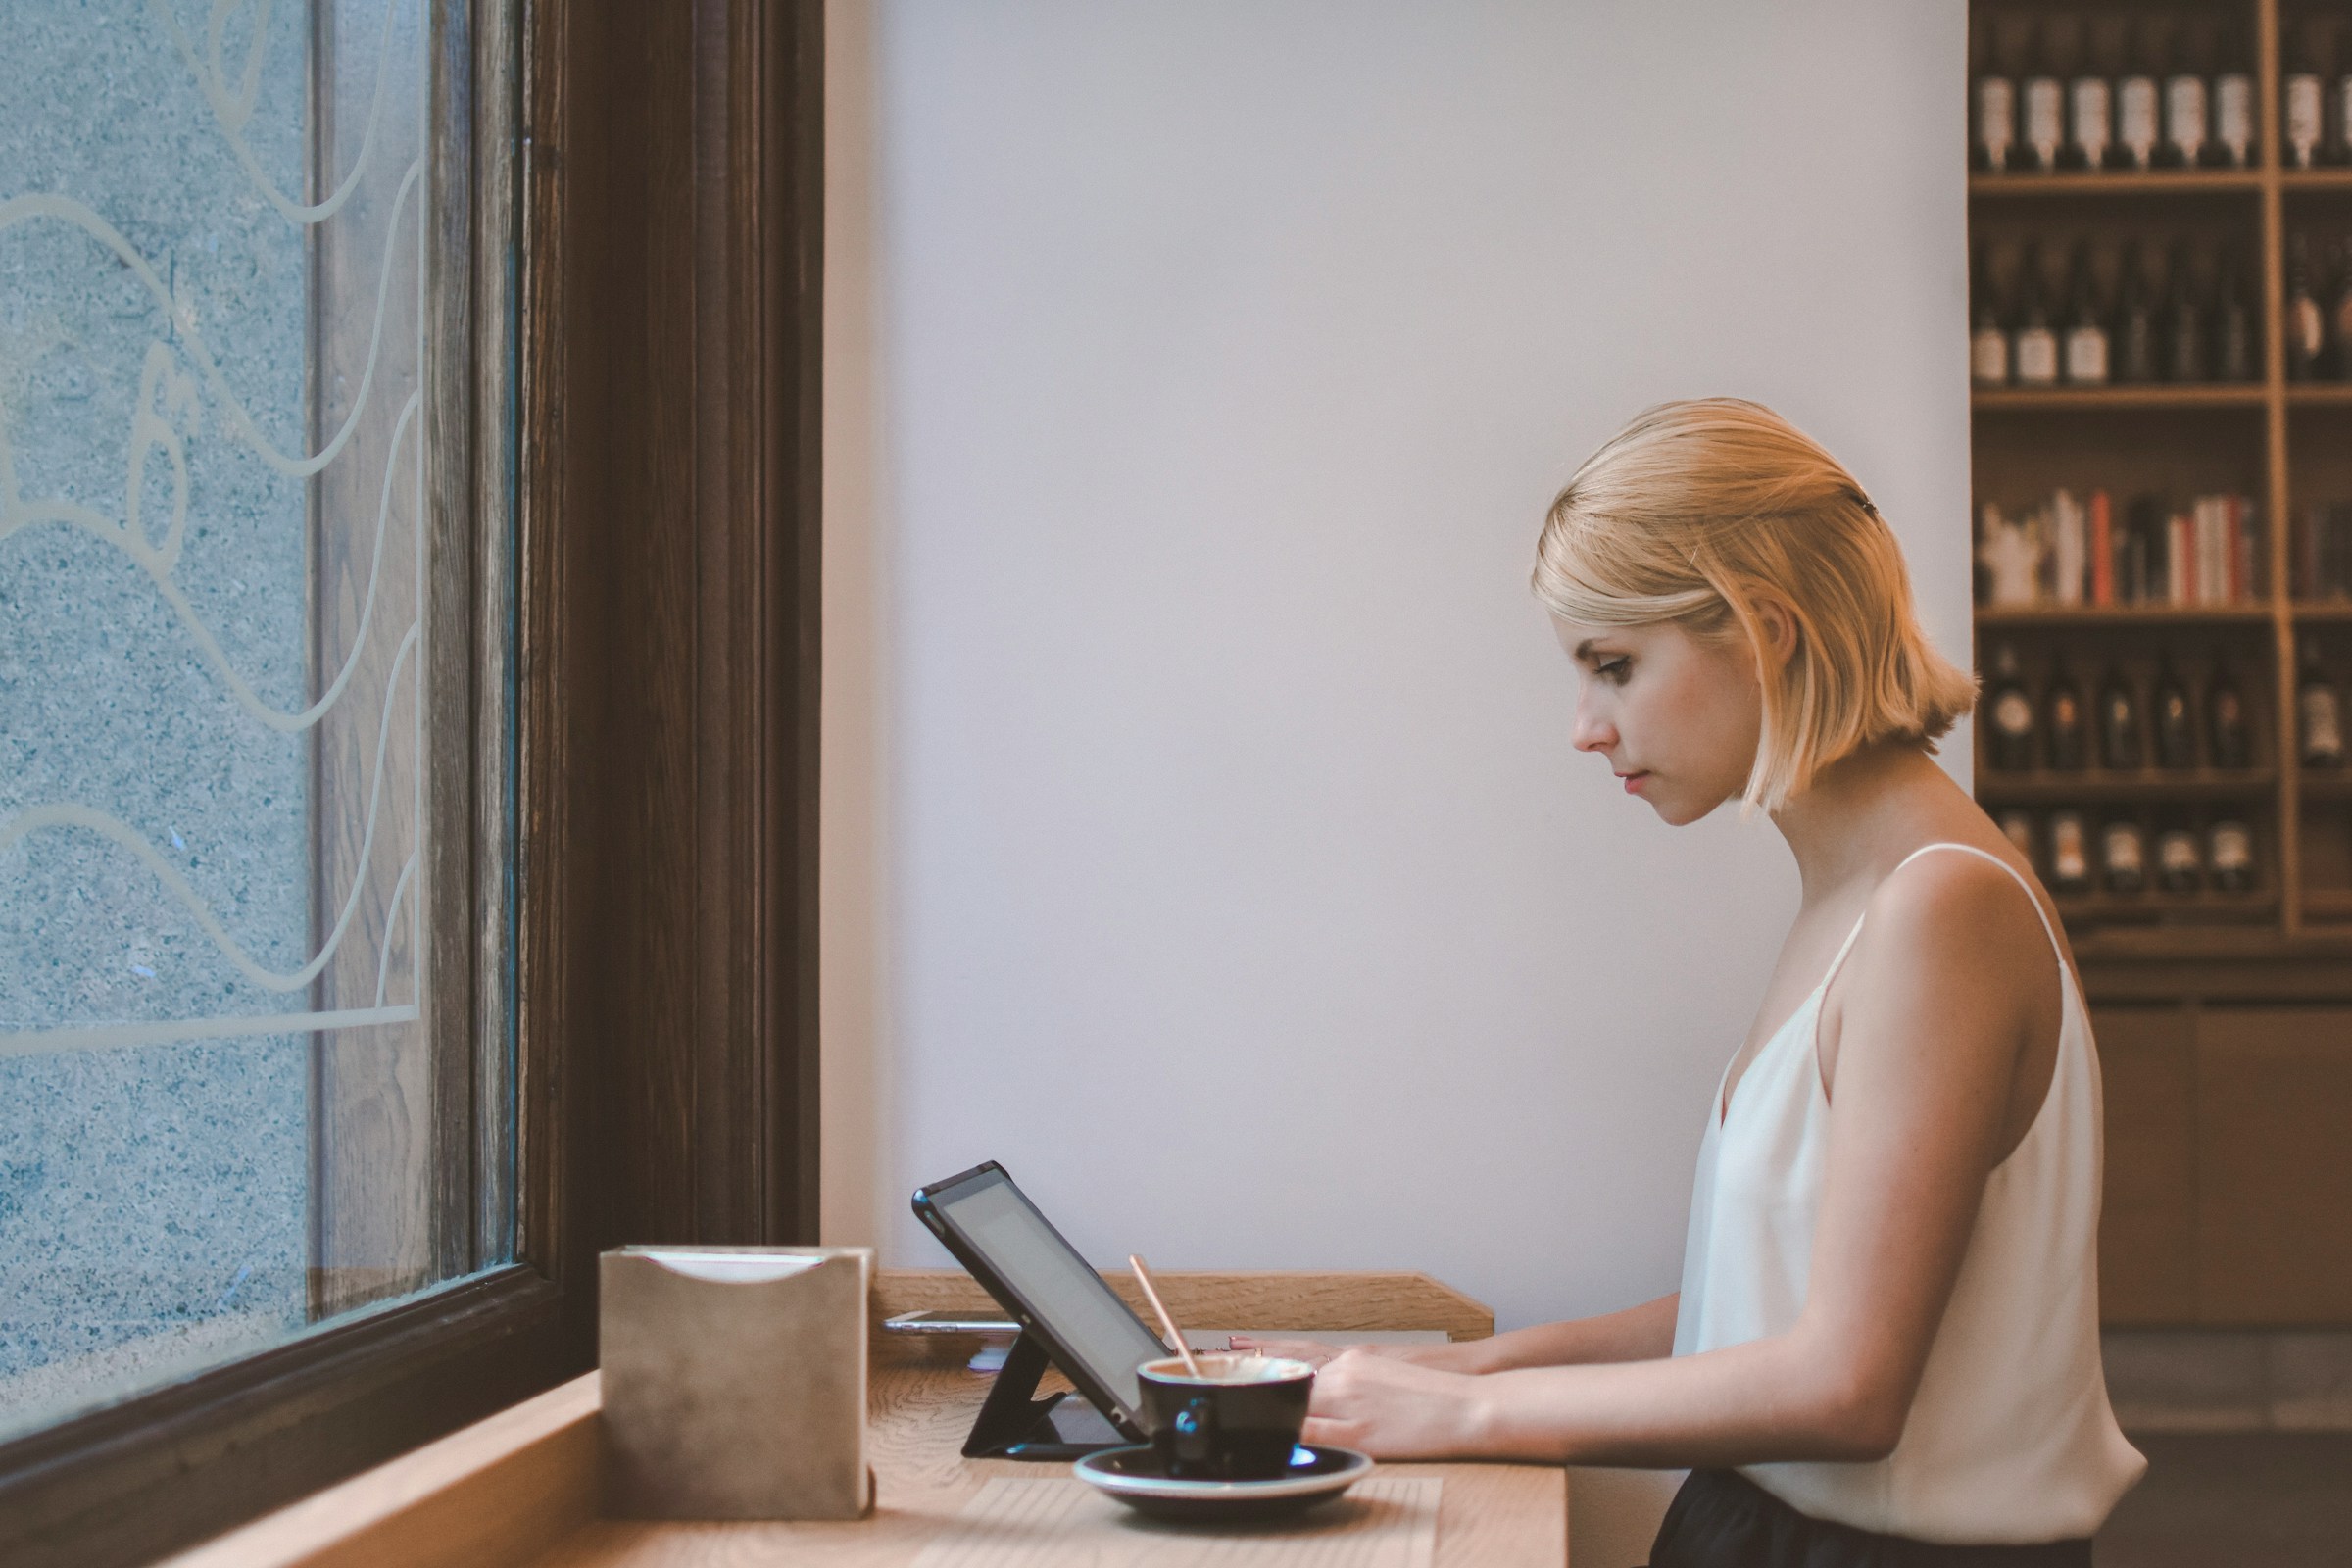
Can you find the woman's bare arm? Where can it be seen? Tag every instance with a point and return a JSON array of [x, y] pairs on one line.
[[1637, 1334], [1932, 1026]]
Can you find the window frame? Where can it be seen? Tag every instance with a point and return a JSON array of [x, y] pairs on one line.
[[644, 189]]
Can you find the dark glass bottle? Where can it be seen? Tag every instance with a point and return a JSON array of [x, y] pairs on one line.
[[2179, 868], [1989, 338], [2318, 712], [2122, 745], [2010, 711], [2090, 100], [2042, 102], [2124, 855], [1995, 106], [2176, 723], [2226, 732], [2339, 316], [2234, 354], [2069, 734], [2033, 350], [2301, 98], [2070, 853], [2138, 118], [2232, 145], [2187, 116], [2306, 325], [2230, 855], [2086, 328], [2183, 322], [2135, 321]]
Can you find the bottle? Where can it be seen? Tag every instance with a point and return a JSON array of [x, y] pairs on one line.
[[2044, 100], [2232, 143], [2124, 854], [2226, 731], [2230, 855], [2091, 105], [2085, 330], [2233, 343], [2339, 91], [2318, 712], [2179, 867], [2134, 319], [2033, 350], [2070, 854], [1987, 339], [2306, 325], [2010, 735], [2120, 745], [2176, 725], [2018, 827], [2069, 735], [2137, 122], [2339, 316], [2186, 117], [2183, 322], [2301, 107], [1996, 107]]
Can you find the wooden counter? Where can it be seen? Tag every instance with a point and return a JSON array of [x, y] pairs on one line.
[[521, 1487]]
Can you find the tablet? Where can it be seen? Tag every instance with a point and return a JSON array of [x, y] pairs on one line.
[[1094, 1338]]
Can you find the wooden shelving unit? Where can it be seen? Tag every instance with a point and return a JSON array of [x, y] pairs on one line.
[[2260, 438]]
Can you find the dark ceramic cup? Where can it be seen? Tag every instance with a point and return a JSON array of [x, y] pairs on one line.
[[1238, 1421]]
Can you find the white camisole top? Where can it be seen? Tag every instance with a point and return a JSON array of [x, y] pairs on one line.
[[2010, 1438]]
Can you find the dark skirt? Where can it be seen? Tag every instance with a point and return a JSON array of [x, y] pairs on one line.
[[1720, 1519]]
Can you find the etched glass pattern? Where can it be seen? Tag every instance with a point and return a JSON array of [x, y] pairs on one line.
[[215, 1099]]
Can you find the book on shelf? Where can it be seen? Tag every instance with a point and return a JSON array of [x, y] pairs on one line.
[[2322, 546], [2075, 551]]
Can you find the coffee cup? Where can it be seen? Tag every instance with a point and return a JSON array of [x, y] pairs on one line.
[[1237, 1420]]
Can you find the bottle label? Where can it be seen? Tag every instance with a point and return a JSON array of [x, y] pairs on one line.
[[1988, 357], [2344, 103], [2306, 329], [2019, 828], [2176, 854], [2323, 723], [2045, 118], [2233, 847], [2135, 124], [2067, 856], [2087, 355], [2303, 119], [1996, 116], [2093, 117], [2123, 849], [2037, 357], [2233, 116], [2013, 715], [2185, 115]]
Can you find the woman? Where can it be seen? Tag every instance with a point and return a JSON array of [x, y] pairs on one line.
[[1886, 1345]]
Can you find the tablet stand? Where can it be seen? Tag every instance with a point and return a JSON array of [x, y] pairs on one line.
[[1014, 1424]]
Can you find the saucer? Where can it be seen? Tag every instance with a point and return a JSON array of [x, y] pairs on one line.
[[1135, 1477]]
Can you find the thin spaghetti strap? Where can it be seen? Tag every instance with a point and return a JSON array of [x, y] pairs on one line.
[[2040, 912]]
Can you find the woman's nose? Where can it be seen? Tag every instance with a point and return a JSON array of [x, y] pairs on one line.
[[1592, 733]]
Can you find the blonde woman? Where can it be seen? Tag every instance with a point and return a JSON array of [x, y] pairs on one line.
[[1886, 1345]]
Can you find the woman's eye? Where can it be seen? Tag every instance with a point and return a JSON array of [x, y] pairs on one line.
[[1615, 671]]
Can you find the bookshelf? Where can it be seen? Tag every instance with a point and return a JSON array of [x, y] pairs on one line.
[[2282, 444]]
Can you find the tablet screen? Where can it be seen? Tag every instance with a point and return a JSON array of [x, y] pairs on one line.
[[1063, 1292]]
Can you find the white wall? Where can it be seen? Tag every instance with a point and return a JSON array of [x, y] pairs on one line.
[[1204, 840]]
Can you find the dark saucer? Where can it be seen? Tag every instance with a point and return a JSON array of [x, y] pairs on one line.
[[1136, 1477]]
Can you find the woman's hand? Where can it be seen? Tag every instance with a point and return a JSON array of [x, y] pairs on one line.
[[1393, 1409]]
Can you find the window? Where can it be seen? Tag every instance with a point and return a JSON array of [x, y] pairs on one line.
[[251, 977], [469, 869]]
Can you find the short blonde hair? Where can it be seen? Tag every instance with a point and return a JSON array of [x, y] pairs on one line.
[[1696, 511]]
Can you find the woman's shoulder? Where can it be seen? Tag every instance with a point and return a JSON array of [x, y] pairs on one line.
[[1959, 907]]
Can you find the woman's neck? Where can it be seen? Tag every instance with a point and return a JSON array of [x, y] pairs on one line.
[[1864, 811]]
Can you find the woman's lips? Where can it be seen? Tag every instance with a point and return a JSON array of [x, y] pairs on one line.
[[1635, 781]]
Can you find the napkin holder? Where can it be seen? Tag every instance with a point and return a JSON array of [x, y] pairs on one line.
[[734, 1382]]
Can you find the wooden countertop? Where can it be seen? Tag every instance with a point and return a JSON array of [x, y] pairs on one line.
[[522, 1486]]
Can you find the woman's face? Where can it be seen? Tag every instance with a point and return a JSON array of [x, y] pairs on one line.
[[1678, 717]]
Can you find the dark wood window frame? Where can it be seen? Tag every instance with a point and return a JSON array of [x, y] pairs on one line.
[[664, 389]]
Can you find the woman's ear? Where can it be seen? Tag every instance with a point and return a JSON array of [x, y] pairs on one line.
[[1778, 623]]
